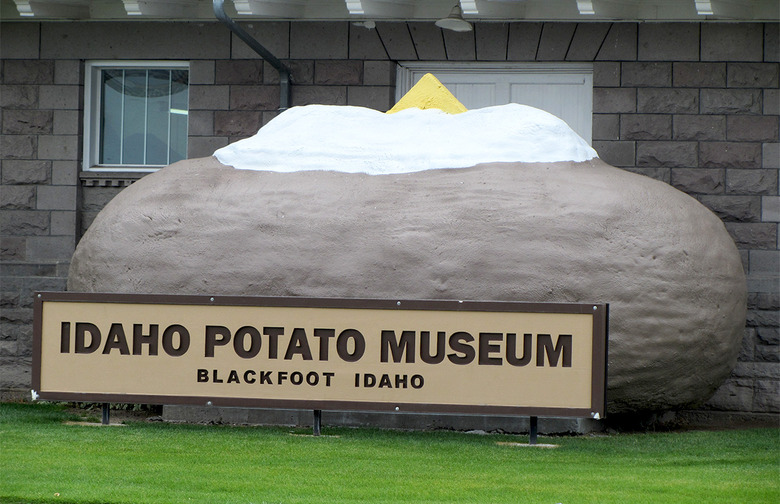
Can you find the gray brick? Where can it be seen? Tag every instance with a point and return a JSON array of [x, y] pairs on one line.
[[763, 301], [428, 41], [12, 248], [770, 209], [689, 74], [752, 128], [325, 95], [460, 46], [747, 351], [198, 147], [768, 335], [319, 40], [302, 72], [364, 43], [731, 101], [753, 235], [766, 396], [771, 42], [606, 74], [667, 101], [25, 172], [17, 197], [16, 373], [731, 42], [200, 123], [273, 35], [24, 223], [734, 208], [254, 98], [666, 154], [753, 75], [269, 116], [763, 318], [765, 261], [8, 348], [397, 41], [699, 180], [646, 74], [27, 122], [555, 41], [63, 147], [66, 122], [729, 155], [209, 97], [18, 316], [620, 43], [771, 101], [491, 41], [614, 100], [8, 300], [760, 284], [28, 71], [662, 174], [606, 126], [237, 123], [202, 72], [41, 248], [379, 73], [56, 198], [95, 198], [59, 97], [645, 127], [64, 172], [338, 72], [668, 41], [733, 395], [699, 127], [136, 40], [239, 72], [616, 153], [587, 40], [770, 155], [68, 72], [63, 223], [18, 97], [375, 97], [523, 41], [19, 146], [761, 182], [20, 40]]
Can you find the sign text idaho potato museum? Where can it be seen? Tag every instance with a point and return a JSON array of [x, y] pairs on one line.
[[348, 354]]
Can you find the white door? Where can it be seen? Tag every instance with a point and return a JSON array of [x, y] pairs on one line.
[[565, 90]]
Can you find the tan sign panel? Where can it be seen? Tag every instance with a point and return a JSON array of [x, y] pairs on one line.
[[350, 354]]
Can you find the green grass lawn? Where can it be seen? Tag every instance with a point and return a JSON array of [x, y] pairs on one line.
[[43, 460]]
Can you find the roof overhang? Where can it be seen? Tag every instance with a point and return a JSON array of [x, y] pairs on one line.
[[394, 10]]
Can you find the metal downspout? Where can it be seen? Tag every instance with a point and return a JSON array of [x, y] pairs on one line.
[[284, 71]]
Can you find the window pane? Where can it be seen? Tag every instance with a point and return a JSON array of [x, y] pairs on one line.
[[157, 117], [143, 116], [134, 121], [179, 114], [111, 117]]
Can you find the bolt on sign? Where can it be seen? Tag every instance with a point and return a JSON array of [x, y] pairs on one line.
[[340, 354]]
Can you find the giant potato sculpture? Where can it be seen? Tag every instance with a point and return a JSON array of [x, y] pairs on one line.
[[549, 231]]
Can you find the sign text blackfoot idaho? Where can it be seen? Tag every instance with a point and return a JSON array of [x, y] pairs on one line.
[[349, 354]]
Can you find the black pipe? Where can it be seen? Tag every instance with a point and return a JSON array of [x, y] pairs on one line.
[[284, 71]]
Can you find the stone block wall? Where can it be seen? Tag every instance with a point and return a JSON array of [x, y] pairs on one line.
[[693, 104]]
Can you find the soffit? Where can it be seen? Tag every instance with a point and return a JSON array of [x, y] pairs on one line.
[[400, 10]]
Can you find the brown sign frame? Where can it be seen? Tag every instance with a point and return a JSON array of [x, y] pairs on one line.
[[597, 408]]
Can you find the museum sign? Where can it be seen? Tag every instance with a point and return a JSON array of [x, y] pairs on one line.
[[545, 359]]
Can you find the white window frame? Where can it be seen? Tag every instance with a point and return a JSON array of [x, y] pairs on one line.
[[408, 73], [93, 105]]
